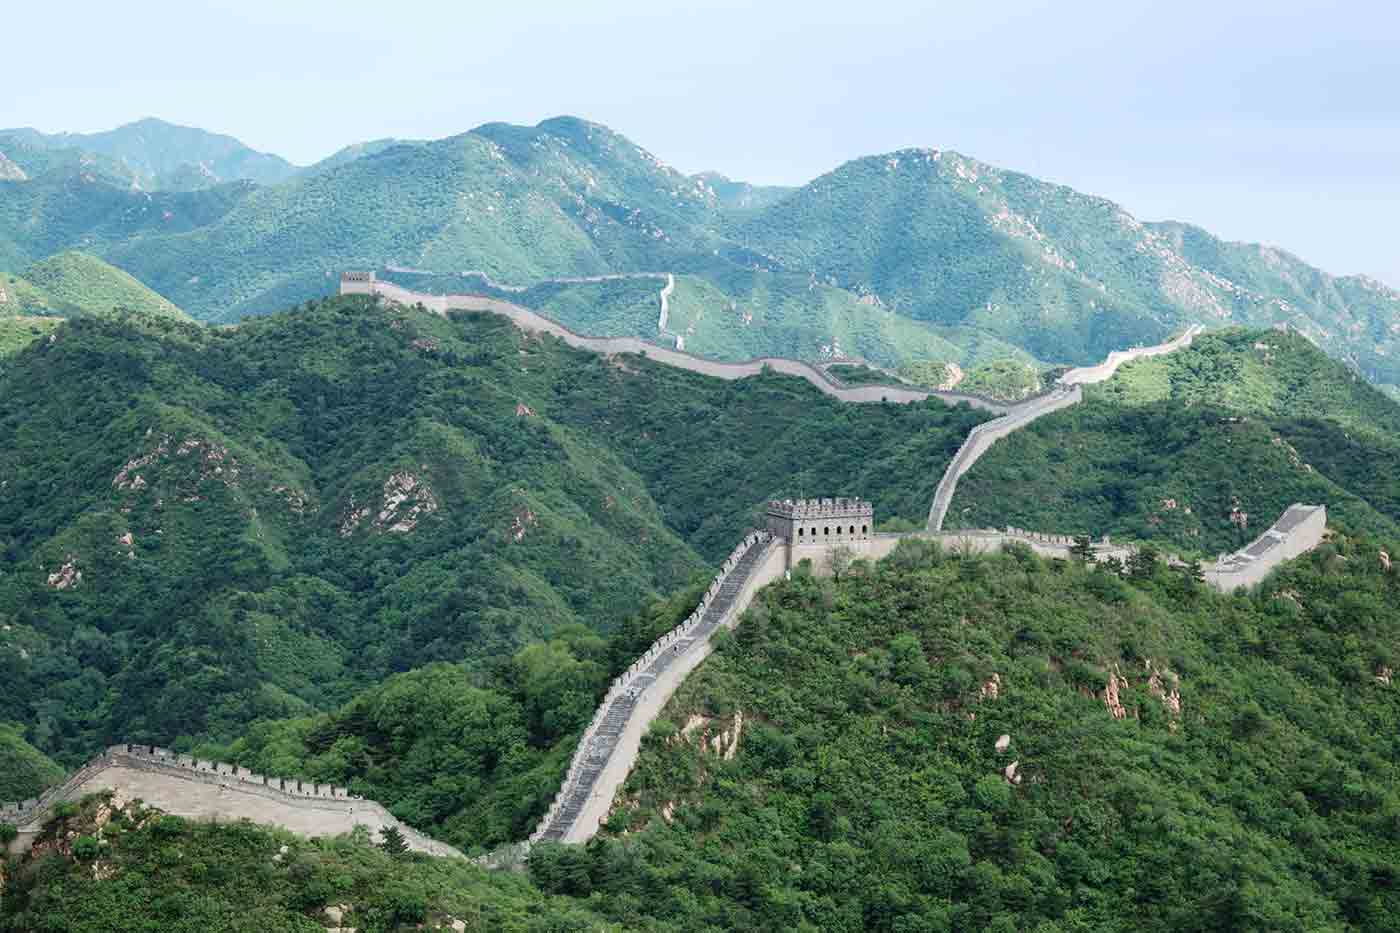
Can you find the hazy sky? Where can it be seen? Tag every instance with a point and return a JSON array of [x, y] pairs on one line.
[[1271, 121]]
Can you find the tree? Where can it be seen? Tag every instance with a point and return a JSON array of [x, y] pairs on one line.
[[842, 556], [1194, 571], [1082, 548], [7, 834], [1143, 563], [393, 841]]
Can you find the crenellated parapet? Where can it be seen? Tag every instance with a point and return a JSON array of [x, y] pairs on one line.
[[197, 788], [604, 753]]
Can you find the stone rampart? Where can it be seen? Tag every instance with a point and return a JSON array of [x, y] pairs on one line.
[[1298, 530], [980, 439], [197, 789], [608, 746], [534, 322], [1101, 372]]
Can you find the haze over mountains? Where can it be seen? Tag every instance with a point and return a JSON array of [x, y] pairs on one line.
[[895, 258]]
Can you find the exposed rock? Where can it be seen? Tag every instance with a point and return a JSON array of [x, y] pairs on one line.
[[1385, 560], [296, 499], [523, 520], [952, 375], [1156, 685], [66, 576], [1384, 675], [406, 500], [215, 462], [352, 519], [524, 411], [668, 812], [1003, 743], [426, 344], [731, 745], [992, 688], [1111, 695], [1012, 773]]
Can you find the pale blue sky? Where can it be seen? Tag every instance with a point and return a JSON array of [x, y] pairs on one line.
[[1270, 121]]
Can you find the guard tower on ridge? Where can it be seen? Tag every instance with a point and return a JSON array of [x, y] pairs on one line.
[[812, 528]]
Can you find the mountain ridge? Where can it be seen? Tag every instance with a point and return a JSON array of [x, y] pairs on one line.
[[970, 253]]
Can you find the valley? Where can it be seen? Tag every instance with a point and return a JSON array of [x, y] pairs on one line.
[[509, 531]]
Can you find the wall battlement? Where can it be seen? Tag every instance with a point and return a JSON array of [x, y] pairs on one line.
[[201, 789]]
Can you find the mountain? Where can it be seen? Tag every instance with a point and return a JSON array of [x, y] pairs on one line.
[[25, 772], [74, 283], [740, 195], [914, 256], [1200, 449], [936, 742], [203, 527], [164, 155], [941, 237]]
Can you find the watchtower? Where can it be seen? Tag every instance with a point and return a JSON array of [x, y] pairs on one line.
[[812, 527], [357, 283]]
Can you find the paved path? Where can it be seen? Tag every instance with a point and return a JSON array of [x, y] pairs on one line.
[[1066, 393], [609, 746]]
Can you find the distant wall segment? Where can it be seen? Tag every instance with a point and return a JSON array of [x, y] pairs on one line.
[[197, 789], [534, 322]]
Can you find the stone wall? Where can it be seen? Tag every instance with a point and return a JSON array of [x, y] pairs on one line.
[[210, 790], [980, 439], [1299, 530], [608, 746], [534, 322]]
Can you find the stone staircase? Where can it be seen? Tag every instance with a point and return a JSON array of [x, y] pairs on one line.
[[601, 739]]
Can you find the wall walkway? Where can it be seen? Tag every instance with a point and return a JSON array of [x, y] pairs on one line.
[[184, 786], [609, 746], [1067, 392], [535, 322]]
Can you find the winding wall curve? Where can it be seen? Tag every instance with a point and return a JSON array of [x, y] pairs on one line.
[[1066, 393]]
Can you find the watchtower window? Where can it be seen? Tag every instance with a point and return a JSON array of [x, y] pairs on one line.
[[826, 530], [853, 529], [865, 529], [801, 532]]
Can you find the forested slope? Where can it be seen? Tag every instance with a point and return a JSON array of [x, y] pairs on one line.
[[202, 527], [934, 743], [1199, 450]]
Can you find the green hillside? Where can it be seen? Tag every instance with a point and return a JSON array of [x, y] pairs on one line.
[[943, 238], [73, 283], [269, 519], [24, 771], [907, 257], [1178, 759], [156, 154], [1199, 450]]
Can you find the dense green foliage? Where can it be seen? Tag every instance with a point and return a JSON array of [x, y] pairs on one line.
[[471, 755], [1250, 785], [833, 766], [73, 283], [16, 333], [24, 770], [331, 496], [144, 872], [911, 256], [152, 154], [1008, 380], [1199, 450]]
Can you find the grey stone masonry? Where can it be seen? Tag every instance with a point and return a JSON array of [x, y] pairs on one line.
[[831, 521], [212, 789], [602, 737], [534, 322]]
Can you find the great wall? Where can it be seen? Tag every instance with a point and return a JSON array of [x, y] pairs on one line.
[[796, 532]]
